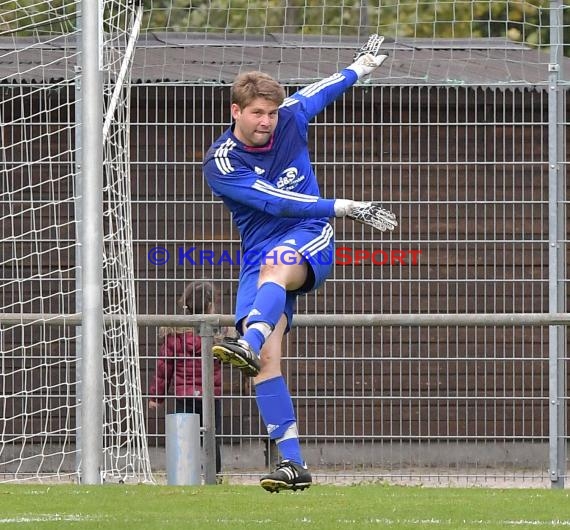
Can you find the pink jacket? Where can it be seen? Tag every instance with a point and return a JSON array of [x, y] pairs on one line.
[[180, 364]]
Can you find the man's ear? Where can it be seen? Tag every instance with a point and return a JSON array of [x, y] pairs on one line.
[[236, 111]]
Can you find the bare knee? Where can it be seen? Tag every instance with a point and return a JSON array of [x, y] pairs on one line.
[[279, 268]]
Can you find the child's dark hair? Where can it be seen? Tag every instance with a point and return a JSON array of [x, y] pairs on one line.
[[197, 298]]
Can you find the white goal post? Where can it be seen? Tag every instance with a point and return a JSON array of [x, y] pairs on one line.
[[41, 206]]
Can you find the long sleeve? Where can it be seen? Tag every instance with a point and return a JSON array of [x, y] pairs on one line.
[[244, 187], [164, 369], [315, 97]]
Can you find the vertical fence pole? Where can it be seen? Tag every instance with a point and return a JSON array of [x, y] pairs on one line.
[[562, 247], [207, 335], [78, 194], [363, 29], [556, 238], [92, 244]]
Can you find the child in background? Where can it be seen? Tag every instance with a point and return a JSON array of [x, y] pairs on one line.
[[179, 364]]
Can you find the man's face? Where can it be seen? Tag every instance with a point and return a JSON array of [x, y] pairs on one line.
[[255, 123]]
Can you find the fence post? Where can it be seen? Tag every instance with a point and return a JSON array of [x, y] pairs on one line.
[[556, 254], [208, 427]]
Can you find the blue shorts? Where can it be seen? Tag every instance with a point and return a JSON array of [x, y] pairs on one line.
[[314, 240]]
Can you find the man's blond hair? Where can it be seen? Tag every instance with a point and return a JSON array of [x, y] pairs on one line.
[[252, 85]]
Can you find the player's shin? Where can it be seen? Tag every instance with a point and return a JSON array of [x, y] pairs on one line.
[[276, 409]]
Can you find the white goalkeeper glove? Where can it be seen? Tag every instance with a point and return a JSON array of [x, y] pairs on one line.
[[368, 58], [368, 213]]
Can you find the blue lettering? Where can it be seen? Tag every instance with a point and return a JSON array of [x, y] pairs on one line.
[[292, 255], [253, 260], [207, 256], [225, 257], [269, 256], [323, 258], [182, 255]]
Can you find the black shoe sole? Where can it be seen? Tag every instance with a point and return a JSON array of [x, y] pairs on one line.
[[275, 486], [227, 355]]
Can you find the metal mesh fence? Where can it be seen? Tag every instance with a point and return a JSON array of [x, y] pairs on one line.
[[466, 170]]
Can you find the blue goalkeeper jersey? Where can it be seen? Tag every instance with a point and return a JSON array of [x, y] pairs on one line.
[[269, 189]]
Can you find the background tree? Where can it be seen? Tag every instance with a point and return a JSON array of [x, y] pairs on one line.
[[43, 17], [518, 20]]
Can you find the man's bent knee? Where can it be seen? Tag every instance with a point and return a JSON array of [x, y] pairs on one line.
[[285, 267]]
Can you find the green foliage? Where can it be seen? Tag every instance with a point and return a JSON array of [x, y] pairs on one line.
[[516, 19], [235, 15], [41, 17], [519, 20]]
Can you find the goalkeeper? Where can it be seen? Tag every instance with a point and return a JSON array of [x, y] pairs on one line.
[[261, 169]]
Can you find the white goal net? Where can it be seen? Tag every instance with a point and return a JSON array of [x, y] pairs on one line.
[[40, 206], [439, 41]]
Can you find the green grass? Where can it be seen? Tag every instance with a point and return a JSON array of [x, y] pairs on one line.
[[321, 507]]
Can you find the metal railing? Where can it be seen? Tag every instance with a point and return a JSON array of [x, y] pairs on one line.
[[207, 325]]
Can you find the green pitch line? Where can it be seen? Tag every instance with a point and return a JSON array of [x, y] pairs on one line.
[[245, 507]]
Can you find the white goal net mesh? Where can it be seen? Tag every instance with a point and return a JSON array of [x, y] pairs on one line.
[[439, 41], [40, 206]]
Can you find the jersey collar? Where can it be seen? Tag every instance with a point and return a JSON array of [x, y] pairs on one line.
[[255, 149]]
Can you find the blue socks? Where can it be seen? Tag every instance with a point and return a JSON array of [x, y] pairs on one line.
[[272, 395], [276, 409], [267, 309]]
